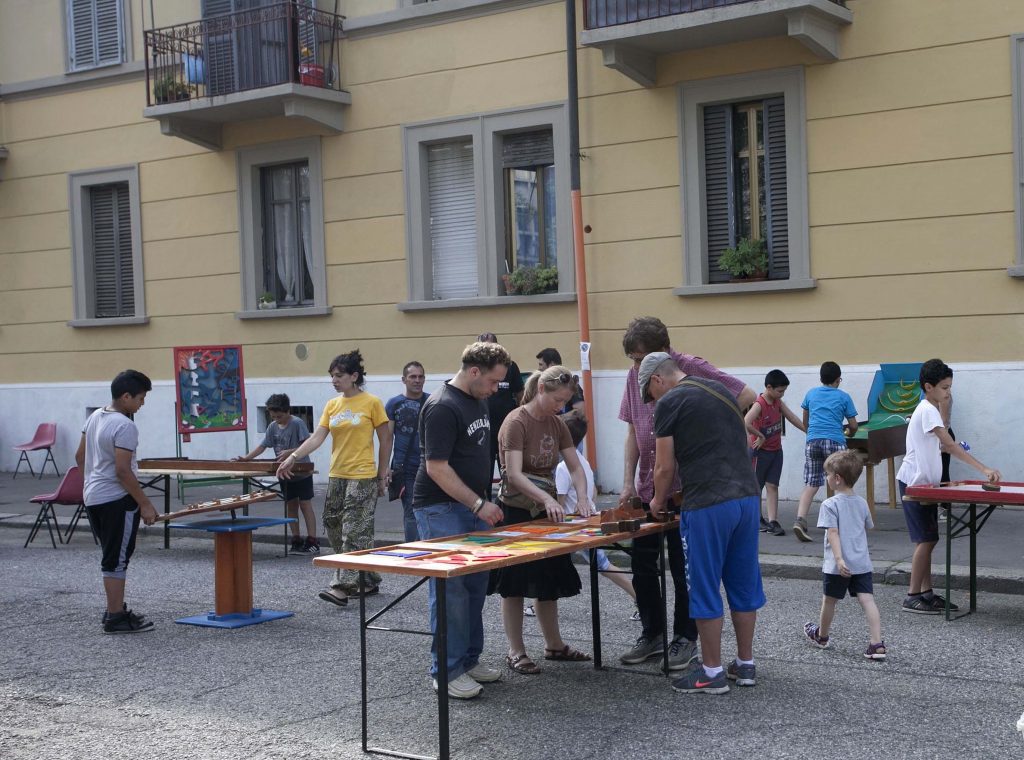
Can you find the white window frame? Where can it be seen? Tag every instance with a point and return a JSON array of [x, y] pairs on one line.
[[250, 224], [81, 244], [486, 131], [124, 36], [693, 96]]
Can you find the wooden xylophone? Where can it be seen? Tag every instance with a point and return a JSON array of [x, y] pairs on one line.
[[220, 505]]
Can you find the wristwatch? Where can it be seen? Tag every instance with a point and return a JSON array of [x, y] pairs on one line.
[[478, 504]]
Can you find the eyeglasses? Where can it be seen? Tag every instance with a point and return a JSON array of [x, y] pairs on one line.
[[635, 359]]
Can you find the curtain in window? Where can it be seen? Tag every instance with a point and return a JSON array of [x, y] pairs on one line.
[[288, 255], [452, 209]]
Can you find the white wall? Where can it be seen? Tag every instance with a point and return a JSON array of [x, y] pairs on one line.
[[985, 413]]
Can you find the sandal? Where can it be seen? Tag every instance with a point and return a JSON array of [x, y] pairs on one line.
[[566, 654], [334, 596], [522, 663]]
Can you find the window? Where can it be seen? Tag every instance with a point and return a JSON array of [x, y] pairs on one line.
[[481, 200], [106, 246], [282, 230], [95, 33], [744, 176]]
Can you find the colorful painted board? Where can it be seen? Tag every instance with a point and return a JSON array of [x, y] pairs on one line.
[[211, 388]]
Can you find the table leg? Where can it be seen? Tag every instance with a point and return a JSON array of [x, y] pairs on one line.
[[892, 481], [595, 608], [974, 557], [664, 603], [167, 511], [232, 554], [949, 552], [442, 669], [362, 654], [870, 485]]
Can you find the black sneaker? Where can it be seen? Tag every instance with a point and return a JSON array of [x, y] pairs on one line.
[[298, 546], [766, 526], [126, 622], [918, 605], [775, 529], [940, 604], [124, 609], [311, 546]]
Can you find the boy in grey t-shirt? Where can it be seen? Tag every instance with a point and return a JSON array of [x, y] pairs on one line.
[[847, 563]]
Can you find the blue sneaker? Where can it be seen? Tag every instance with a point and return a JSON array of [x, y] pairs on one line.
[[743, 675], [696, 681]]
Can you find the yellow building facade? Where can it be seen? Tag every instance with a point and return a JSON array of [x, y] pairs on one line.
[[889, 193]]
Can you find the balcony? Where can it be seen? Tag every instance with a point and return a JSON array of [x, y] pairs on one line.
[[281, 59], [631, 34]]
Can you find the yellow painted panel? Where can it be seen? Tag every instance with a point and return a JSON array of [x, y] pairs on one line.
[[41, 232], [190, 217], [929, 133], [32, 43], [947, 244], [192, 257], [914, 78], [365, 239], [36, 269], [597, 79], [258, 131], [633, 216], [881, 26], [498, 86], [738, 58], [35, 195], [368, 283], [367, 152], [626, 117], [501, 37], [212, 294], [26, 307], [364, 197], [78, 110], [201, 174], [941, 188], [631, 166], [634, 265]]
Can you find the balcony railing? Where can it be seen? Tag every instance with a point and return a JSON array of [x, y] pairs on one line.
[[603, 13], [287, 42]]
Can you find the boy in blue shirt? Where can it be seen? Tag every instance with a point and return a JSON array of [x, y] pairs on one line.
[[824, 407]]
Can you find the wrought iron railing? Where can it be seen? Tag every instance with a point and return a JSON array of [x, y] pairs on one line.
[[288, 41], [602, 13]]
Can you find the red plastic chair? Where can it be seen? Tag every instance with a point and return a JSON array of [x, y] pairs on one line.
[[69, 492], [45, 438]]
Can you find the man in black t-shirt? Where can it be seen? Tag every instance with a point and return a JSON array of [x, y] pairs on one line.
[[549, 357], [503, 400], [450, 497], [699, 429]]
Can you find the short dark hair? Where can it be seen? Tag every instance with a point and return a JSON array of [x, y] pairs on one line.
[[132, 382], [487, 337], [413, 363], [776, 379], [279, 402], [846, 464], [933, 372], [646, 334], [550, 356], [576, 421], [830, 372], [485, 356], [351, 364]]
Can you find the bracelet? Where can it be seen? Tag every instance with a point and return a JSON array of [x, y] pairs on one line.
[[291, 456], [478, 504]]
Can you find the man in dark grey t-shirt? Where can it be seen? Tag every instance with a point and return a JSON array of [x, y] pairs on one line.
[[700, 431]]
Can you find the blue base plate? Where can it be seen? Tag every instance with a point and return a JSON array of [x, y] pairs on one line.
[[235, 620]]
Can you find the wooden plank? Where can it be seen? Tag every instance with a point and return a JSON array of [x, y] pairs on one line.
[[184, 465], [219, 505], [232, 554]]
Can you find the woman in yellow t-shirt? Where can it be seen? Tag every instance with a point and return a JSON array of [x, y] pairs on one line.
[[356, 480]]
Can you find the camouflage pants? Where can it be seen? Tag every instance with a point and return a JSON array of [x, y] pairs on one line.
[[348, 522]]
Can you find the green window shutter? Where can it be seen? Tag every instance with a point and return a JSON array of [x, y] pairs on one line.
[[718, 187], [775, 188], [112, 266]]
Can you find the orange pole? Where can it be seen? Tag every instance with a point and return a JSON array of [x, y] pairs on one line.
[[583, 313]]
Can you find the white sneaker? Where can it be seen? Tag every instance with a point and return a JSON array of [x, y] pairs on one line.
[[483, 674], [463, 687], [529, 611]]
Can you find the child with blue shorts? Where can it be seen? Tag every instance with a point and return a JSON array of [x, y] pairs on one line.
[[847, 564], [825, 408]]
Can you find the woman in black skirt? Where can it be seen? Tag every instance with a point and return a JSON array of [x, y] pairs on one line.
[[530, 441]]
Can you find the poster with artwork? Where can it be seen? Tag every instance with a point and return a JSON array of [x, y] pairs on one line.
[[211, 389]]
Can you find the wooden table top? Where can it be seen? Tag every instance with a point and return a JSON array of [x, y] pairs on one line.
[[217, 467], [487, 550]]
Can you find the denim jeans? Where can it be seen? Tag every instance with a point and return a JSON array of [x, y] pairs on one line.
[[408, 516], [465, 594]]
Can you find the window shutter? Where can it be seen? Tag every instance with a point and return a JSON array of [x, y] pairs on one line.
[[525, 149], [113, 275], [718, 187], [219, 48], [95, 32], [452, 208], [775, 188]]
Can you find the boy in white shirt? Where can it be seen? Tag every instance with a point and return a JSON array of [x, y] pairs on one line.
[[927, 440]]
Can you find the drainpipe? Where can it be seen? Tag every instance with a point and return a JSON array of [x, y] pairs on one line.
[[582, 309]]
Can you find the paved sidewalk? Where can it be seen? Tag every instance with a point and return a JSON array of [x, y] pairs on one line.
[[1000, 544]]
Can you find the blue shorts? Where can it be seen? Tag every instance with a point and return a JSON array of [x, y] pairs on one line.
[[603, 563], [922, 519], [767, 466], [720, 545], [836, 586]]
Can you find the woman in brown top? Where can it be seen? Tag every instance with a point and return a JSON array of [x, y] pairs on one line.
[[530, 441]]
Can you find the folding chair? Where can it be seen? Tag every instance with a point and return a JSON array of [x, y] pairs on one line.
[[45, 438], [69, 492]]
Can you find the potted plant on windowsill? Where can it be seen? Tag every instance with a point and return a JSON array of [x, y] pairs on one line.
[[170, 89], [747, 262], [267, 301], [531, 281]]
